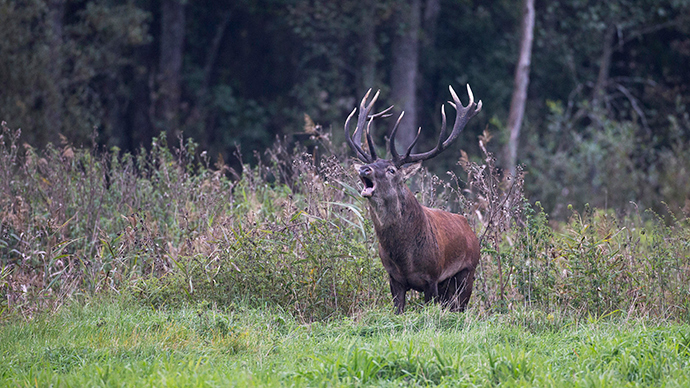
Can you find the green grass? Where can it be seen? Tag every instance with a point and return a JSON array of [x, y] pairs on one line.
[[119, 343]]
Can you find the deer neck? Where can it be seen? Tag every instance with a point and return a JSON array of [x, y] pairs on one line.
[[397, 215]]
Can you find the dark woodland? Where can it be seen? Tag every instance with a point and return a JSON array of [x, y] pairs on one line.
[[602, 117]]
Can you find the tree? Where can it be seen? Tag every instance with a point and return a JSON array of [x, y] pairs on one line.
[[519, 98], [611, 74], [405, 66], [369, 50], [63, 67], [54, 98], [170, 65]]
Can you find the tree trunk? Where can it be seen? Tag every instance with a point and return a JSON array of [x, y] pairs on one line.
[[428, 64], [140, 110], [213, 53], [405, 67], [170, 65], [519, 98], [432, 9], [369, 51], [53, 93], [604, 68], [197, 119]]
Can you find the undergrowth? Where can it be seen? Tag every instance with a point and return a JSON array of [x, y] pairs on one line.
[[167, 227]]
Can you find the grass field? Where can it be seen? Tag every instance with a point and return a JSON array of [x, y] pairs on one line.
[[117, 343]]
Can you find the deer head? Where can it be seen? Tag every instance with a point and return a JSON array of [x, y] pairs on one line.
[[383, 178]]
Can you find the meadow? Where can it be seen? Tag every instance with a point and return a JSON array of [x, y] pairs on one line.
[[167, 267], [111, 343]]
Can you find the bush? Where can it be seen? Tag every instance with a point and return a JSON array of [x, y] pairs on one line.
[[593, 264], [606, 163], [596, 264]]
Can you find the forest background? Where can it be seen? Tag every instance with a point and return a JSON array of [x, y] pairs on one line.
[[606, 114]]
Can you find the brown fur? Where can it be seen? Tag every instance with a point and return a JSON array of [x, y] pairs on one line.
[[423, 249]]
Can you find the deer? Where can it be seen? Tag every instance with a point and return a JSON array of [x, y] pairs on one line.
[[422, 249]]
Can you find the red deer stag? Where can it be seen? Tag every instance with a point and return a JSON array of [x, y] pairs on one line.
[[423, 249]]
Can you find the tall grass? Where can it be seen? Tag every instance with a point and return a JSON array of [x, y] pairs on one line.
[[166, 226]]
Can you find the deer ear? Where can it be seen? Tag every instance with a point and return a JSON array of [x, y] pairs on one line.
[[409, 170]]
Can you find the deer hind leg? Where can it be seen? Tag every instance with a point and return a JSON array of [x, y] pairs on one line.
[[455, 292], [431, 292]]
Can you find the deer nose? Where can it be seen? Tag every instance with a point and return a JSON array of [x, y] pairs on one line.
[[365, 170]]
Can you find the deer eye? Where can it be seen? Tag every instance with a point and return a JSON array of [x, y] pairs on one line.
[[390, 170]]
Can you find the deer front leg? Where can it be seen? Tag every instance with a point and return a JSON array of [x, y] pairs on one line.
[[398, 290]]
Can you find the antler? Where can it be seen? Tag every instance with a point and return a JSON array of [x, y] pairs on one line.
[[355, 142], [463, 115]]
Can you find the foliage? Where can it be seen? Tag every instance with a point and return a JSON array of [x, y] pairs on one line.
[[593, 264], [598, 263], [498, 204], [606, 164], [609, 125], [64, 78]]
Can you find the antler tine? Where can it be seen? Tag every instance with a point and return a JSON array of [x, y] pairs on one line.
[[361, 119], [361, 155], [463, 114], [391, 142], [383, 114], [443, 126], [364, 110], [419, 131], [370, 141], [409, 149]]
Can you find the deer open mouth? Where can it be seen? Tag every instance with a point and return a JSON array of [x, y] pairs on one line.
[[369, 187]]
